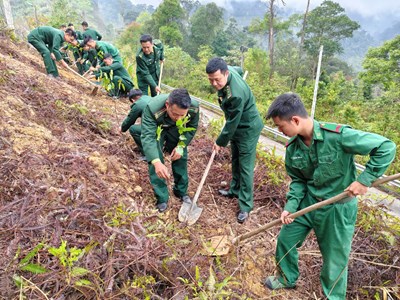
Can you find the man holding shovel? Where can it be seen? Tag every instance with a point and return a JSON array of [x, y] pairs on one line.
[[160, 132], [149, 60], [242, 129], [320, 160], [48, 41]]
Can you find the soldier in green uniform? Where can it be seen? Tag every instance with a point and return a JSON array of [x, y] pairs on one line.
[[160, 133], [79, 35], [78, 53], [118, 75], [242, 129], [139, 103], [90, 32], [320, 161], [102, 48], [48, 41], [148, 60]]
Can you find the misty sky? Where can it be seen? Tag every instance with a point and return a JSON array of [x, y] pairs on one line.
[[368, 8]]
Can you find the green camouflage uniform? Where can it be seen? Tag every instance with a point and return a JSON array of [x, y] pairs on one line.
[[92, 33], [137, 109], [242, 129], [48, 40], [318, 172], [148, 68], [103, 47], [155, 115], [119, 76]]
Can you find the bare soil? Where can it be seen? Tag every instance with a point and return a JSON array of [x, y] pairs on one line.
[[67, 174]]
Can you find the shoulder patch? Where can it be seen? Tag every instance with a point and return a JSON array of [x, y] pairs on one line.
[[160, 112], [331, 127], [228, 92], [291, 141]]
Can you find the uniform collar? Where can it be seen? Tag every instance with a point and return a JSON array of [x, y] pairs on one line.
[[317, 135]]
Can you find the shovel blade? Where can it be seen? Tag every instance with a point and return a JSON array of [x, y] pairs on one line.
[[189, 213], [217, 246]]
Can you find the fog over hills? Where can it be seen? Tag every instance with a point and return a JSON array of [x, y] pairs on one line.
[[375, 17]]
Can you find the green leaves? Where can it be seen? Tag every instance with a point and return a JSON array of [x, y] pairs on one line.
[[26, 265], [34, 268], [158, 132], [182, 129], [67, 257], [327, 25]]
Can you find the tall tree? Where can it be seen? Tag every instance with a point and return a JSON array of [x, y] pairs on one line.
[[327, 25], [271, 24], [205, 23], [166, 21], [304, 23], [382, 65]]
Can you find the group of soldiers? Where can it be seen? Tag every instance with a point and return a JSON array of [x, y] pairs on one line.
[[319, 157], [95, 58]]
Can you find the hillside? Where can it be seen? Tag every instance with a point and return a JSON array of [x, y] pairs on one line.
[[77, 213]]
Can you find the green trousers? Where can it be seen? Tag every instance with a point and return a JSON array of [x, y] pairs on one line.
[[179, 170], [51, 67], [136, 131], [78, 64], [334, 228], [243, 159], [121, 86], [144, 86]]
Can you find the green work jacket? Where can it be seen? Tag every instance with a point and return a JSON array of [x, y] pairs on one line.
[[137, 109], [79, 35], [239, 106], [155, 115], [103, 48], [327, 167], [92, 33], [148, 66], [52, 37], [117, 70], [75, 49]]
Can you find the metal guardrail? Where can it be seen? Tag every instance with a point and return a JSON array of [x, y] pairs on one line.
[[272, 131]]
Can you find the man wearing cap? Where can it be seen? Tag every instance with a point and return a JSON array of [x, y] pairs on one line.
[[90, 32], [160, 135], [101, 49], [148, 65], [122, 82], [139, 103], [48, 41]]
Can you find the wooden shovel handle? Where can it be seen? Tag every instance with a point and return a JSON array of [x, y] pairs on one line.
[[303, 211], [203, 179], [159, 79], [84, 78]]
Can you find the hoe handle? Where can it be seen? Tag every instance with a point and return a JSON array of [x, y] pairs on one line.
[[84, 78], [159, 80], [303, 211]]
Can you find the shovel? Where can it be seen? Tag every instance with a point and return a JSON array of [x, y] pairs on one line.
[[190, 212], [221, 245], [96, 87], [159, 80]]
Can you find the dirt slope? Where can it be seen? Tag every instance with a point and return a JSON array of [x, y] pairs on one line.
[[66, 174]]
